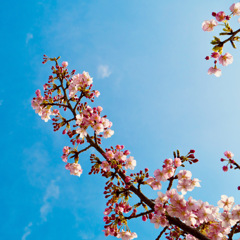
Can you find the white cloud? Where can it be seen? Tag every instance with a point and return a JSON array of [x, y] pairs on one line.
[[27, 231], [86, 235], [29, 37], [52, 192], [103, 71]]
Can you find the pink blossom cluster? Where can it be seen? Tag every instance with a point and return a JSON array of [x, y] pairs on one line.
[[120, 187], [195, 213], [230, 162], [116, 210], [79, 82], [75, 169], [90, 117], [37, 105], [118, 157], [168, 170], [209, 25], [225, 60]]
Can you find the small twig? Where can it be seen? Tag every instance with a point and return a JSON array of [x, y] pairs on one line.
[[139, 215], [54, 104], [79, 99], [161, 233]]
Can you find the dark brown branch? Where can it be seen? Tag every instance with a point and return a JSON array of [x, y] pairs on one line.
[[161, 233], [233, 34], [233, 230]]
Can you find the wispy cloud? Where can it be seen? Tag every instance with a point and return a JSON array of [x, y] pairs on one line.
[[52, 192], [86, 235], [1, 102], [27, 231], [29, 37], [103, 71]]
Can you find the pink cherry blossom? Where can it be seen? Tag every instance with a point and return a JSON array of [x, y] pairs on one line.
[[98, 128], [215, 55], [126, 235], [177, 162], [75, 169], [82, 132], [130, 163], [208, 26], [235, 9], [108, 133], [226, 59], [160, 175], [64, 158], [228, 154], [216, 71], [105, 166], [220, 16], [184, 174], [226, 202], [96, 93], [79, 119], [64, 64], [66, 150]]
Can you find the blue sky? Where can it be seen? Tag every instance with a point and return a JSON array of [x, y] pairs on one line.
[[147, 60]]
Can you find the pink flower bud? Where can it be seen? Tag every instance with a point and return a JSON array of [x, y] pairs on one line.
[[99, 108], [215, 55], [207, 57], [220, 16], [225, 168], [64, 64], [126, 152], [214, 14], [228, 154], [127, 179], [38, 92], [151, 215], [144, 218]]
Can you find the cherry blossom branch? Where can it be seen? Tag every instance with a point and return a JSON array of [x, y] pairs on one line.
[[169, 210], [233, 34], [81, 151]]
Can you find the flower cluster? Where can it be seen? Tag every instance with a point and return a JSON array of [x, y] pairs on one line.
[[197, 213], [209, 25], [86, 129], [38, 105], [230, 162]]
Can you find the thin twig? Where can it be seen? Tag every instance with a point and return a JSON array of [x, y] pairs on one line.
[[161, 233]]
